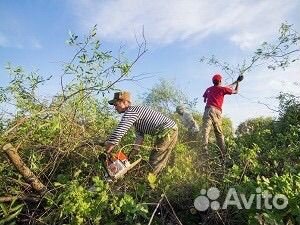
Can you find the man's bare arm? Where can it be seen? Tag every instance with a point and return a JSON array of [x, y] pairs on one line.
[[109, 147], [235, 87]]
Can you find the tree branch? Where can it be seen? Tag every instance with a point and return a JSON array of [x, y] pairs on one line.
[[19, 164]]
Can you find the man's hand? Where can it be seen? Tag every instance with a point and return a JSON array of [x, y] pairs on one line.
[[109, 147], [240, 78]]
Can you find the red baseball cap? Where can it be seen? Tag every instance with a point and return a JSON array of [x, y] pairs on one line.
[[217, 77]]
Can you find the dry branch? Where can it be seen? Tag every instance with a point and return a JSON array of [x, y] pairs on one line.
[[157, 205], [22, 198], [19, 164]]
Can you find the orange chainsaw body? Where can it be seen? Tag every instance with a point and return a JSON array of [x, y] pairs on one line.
[[118, 165]]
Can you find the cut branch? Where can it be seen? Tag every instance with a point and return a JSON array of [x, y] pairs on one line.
[[19, 164]]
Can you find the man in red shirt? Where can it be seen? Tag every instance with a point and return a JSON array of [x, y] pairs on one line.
[[213, 97]]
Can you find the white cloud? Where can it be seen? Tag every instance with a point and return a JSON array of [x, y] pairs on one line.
[[176, 20], [268, 82], [3, 41], [14, 42], [8, 43], [246, 39]]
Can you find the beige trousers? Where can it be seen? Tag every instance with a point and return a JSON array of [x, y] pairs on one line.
[[162, 149], [213, 117]]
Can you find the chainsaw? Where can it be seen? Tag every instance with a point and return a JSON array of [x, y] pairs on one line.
[[116, 165]]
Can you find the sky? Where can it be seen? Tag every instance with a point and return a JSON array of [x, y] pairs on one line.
[[33, 35]]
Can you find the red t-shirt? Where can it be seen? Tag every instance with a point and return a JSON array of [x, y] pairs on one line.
[[215, 96]]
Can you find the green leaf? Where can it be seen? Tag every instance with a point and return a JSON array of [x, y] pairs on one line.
[[16, 208], [4, 209], [57, 184], [152, 180], [76, 174], [11, 217]]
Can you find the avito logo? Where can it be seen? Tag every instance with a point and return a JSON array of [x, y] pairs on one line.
[[208, 198]]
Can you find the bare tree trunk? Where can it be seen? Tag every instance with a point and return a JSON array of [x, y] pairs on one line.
[[19, 164]]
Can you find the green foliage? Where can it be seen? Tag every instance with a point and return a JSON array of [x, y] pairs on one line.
[[254, 131], [96, 205], [9, 212], [130, 209], [152, 180], [164, 97], [55, 140], [94, 69], [266, 155], [289, 118], [183, 181]]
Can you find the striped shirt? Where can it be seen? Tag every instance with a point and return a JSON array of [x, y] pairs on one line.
[[144, 119]]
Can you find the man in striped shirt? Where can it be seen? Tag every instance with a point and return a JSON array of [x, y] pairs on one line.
[[146, 121]]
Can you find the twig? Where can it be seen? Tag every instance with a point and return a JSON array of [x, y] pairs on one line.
[[220, 218], [22, 120], [173, 211], [259, 102], [244, 171], [158, 204]]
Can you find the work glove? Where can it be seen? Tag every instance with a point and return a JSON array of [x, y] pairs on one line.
[[240, 78]]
